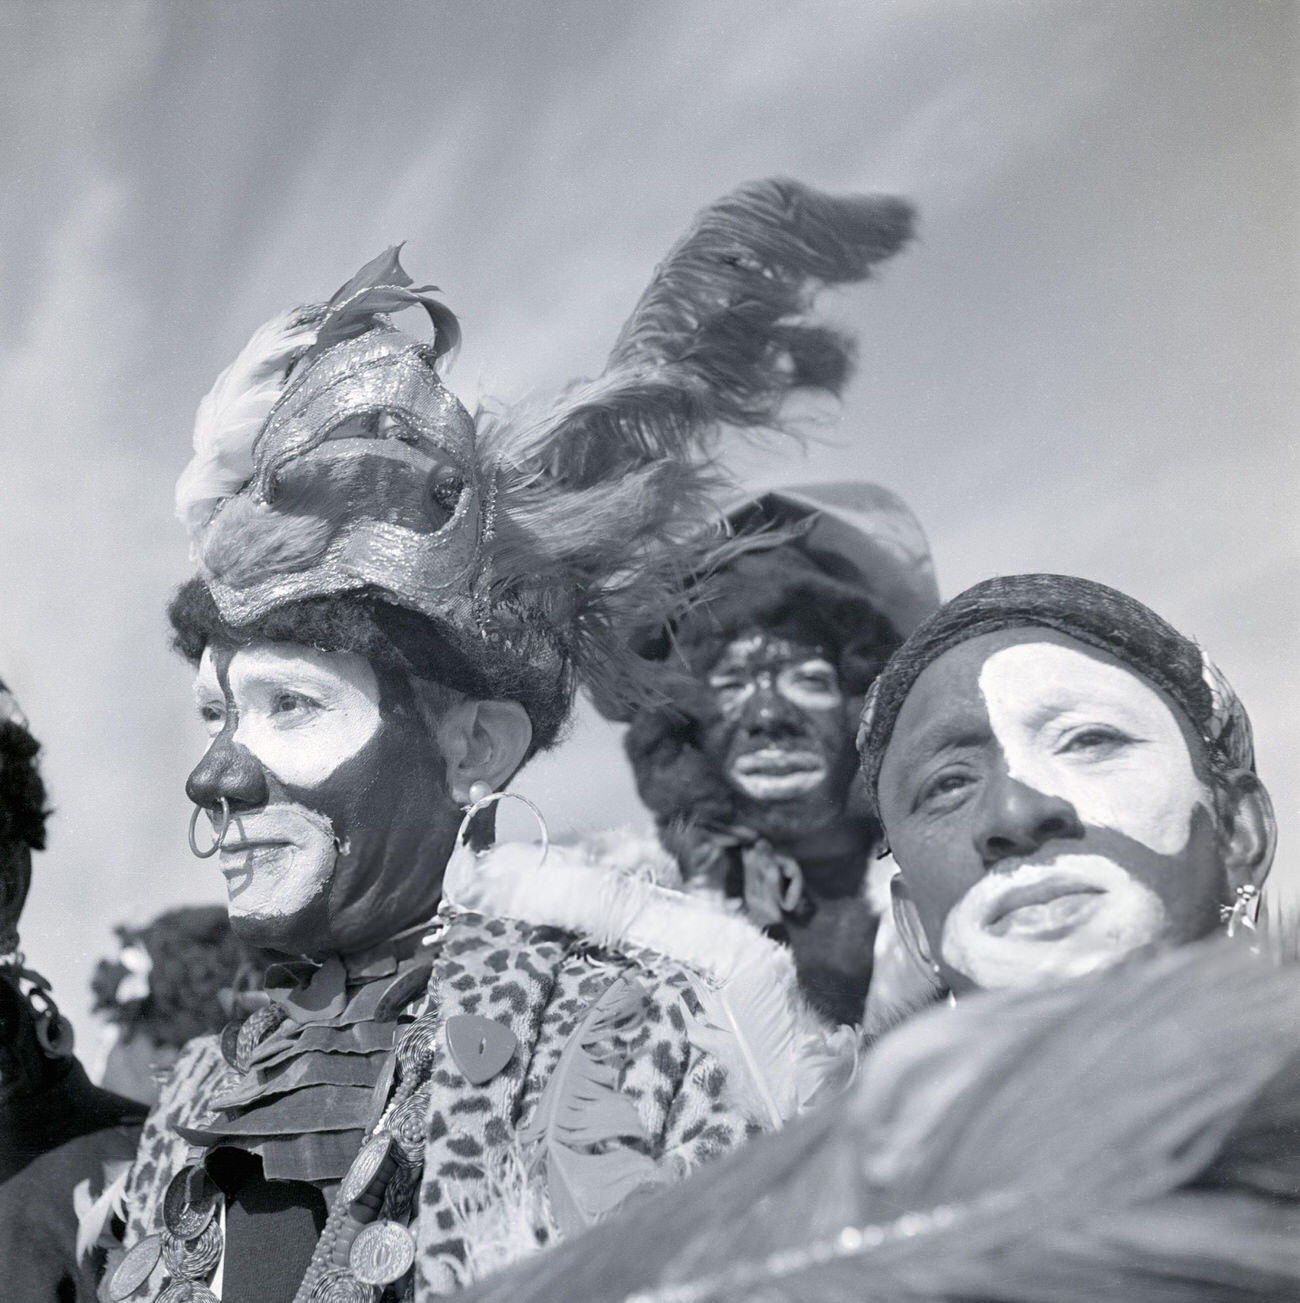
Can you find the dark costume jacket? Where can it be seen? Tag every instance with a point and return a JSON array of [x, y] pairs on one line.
[[56, 1130]]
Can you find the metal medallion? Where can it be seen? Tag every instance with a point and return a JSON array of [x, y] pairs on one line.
[[195, 1257], [409, 1122], [382, 1253], [366, 1166], [189, 1204], [186, 1291], [341, 1286], [418, 1047], [134, 1269], [230, 1041]]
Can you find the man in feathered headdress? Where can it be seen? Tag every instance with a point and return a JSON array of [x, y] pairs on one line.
[[56, 1129], [748, 762], [469, 1053]]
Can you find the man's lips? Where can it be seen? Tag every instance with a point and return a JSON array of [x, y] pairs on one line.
[[776, 762], [253, 844], [1049, 905]]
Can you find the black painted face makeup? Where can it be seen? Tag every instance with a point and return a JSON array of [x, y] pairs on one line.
[[1044, 808], [341, 818], [780, 736]]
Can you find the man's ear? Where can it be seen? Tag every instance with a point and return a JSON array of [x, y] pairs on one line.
[[483, 742], [1247, 829]]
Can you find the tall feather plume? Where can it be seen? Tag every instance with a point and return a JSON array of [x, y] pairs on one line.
[[231, 415], [610, 479]]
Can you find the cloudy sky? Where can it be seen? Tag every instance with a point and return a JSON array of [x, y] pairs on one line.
[[1087, 363]]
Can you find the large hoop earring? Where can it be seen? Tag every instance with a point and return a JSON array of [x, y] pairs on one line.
[[492, 798], [221, 836]]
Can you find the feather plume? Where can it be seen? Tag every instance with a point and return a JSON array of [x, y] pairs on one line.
[[1028, 1146], [93, 1212], [748, 1029], [608, 480], [581, 1113], [231, 415]]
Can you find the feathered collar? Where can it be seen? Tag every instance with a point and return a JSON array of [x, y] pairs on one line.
[[616, 911]]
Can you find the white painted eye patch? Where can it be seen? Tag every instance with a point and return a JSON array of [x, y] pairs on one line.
[[301, 712], [1147, 787]]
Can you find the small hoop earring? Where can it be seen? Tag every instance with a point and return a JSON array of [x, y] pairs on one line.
[[1243, 910], [221, 836], [492, 798]]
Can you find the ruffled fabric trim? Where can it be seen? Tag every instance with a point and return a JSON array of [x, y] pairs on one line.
[[310, 1074]]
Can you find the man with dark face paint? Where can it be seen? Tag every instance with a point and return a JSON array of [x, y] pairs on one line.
[[57, 1131], [1065, 781], [749, 766], [466, 1054]]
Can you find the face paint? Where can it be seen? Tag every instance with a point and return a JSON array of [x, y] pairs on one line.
[[1045, 811], [302, 713], [341, 820], [780, 737]]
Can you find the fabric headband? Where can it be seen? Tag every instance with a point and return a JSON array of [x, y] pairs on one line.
[[1089, 612]]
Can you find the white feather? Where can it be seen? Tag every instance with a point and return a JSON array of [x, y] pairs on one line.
[[231, 416], [93, 1213], [750, 1032]]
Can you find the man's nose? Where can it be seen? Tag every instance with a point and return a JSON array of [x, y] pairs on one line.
[[767, 711], [227, 770], [1014, 820]]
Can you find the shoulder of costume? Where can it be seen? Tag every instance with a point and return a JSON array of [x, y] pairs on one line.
[[723, 955]]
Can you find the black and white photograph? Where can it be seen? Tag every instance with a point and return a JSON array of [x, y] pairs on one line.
[[648, 651]]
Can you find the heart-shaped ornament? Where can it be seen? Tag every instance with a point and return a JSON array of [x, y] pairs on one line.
[[479, 1046]]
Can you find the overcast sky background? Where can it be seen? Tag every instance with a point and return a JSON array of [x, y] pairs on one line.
[[1086, 364]]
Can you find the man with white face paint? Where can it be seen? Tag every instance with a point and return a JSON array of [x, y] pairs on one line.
[[467, 1053], [1065, 781], [748, 762]]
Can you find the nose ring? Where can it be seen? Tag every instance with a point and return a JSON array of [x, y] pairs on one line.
[[221, 836]]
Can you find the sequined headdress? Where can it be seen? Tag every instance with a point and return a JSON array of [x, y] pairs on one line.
[[330, 458]]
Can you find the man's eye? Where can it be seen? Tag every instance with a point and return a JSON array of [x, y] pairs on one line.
[[291, 703], [727, 687], [212, 717], [944, 785], [1095, 740], [817, 682]]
